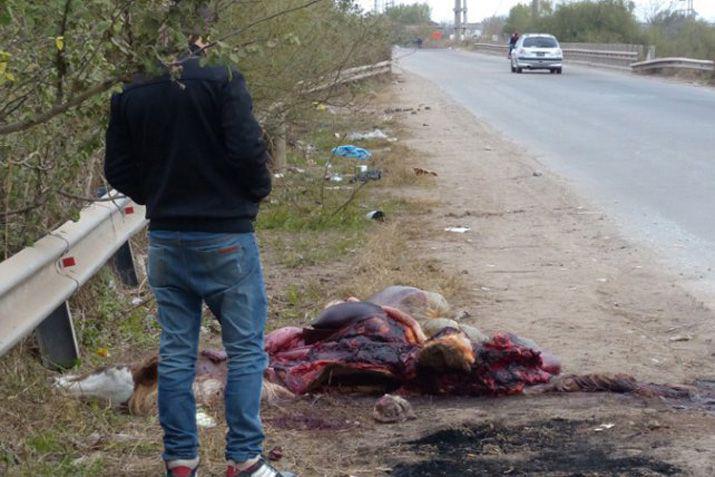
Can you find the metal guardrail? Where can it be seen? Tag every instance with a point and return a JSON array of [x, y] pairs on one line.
[[493, 46], [610, 59], [578, 55], [36, 283], [354, 74], [621, 47], [621, 58], [676, 63], [275, 118]]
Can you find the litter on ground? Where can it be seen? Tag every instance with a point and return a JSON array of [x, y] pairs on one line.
[[352, 152], [604, 427], [367, 176], [458, 229], [424, 172], [375, 215], [362, 136], [204, 420]]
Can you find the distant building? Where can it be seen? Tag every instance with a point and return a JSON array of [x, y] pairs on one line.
[[473, 30]]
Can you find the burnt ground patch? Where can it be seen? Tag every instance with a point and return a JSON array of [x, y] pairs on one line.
[[556, 447]]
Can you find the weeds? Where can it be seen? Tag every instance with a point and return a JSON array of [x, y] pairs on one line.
[[313, 250]]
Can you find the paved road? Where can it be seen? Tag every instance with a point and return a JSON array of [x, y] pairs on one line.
[[643, 148]]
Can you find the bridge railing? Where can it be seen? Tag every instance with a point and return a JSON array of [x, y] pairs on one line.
[[674, 63], [578, 53], [621, 59], [616, 55], [36, 283]]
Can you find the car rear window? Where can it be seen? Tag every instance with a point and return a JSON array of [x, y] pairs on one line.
[[540, 42]]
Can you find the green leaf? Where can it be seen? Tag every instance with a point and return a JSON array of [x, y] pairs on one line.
[[5, 15]]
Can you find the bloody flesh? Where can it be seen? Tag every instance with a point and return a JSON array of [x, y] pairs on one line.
[[362, 344]]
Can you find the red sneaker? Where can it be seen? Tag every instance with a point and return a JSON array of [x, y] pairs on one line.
[[182, 468], [181, 471]]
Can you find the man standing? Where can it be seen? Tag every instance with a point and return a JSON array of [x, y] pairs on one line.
[[190, 149], [513, 39]]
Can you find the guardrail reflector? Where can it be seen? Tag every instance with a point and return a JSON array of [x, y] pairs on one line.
[[68, 262]]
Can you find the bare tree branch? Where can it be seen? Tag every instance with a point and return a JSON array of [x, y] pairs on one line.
[[23, 210], [60, 60], [90, 199], [59, 109], [233, 33]]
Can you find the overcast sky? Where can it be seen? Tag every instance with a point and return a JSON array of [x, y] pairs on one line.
[[478, 9]]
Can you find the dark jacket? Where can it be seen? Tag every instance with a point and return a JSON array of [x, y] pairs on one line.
[[190, 149]]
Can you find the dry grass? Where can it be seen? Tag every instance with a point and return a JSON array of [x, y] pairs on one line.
[[311, 256], [389, 258], [46, 433]]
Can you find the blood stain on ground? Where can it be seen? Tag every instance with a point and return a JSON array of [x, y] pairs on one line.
[[557, 447]]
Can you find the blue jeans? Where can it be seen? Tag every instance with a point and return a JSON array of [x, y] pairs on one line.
[[224, 271]]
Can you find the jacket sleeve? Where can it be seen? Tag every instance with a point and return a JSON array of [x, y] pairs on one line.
[[244, 139], [120, 167]]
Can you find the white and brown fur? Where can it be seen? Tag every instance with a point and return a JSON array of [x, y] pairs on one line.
[[134, 387]]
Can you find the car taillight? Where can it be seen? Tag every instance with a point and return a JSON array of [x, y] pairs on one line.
[[521, 51]]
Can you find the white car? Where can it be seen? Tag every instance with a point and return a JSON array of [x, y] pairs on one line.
[[537, 51]]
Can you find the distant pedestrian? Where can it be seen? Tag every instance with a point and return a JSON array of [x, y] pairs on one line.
[[513, 39], [191, 150]]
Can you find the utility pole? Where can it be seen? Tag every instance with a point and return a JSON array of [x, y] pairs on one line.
[[460, 19], [381, 6], [464, 18], [457, 20], [688, 11], [534, 9]]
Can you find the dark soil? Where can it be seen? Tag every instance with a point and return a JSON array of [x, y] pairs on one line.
[[556, 447]]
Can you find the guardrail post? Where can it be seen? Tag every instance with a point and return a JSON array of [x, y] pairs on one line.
[[278, 136], [123, 263], [123, 260], [57, 339], [651, 53]]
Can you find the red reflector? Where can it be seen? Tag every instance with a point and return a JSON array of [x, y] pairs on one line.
[[129, 210], [68, 262]]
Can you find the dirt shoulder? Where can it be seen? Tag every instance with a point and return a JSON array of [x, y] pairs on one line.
[[538, 261], [544, 263], [541, 262]]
